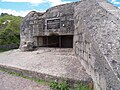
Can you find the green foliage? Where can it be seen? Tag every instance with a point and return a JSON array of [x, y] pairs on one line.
[[3, 50], [65, 86], [2, 14], [83, 87], [59, 86], [10, 33], [9, 37]]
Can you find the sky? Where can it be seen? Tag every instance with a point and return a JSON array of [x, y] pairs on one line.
[[22, 7]]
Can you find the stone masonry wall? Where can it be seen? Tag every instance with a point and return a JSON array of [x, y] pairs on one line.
[[97, 42]]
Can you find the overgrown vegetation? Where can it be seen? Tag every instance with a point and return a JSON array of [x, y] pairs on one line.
[[3, 50], [83, 87], [65, 86], [59, 86], [9, 29]]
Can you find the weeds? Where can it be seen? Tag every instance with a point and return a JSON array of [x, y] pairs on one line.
[[83, 87], [60, 86], [65, 86]]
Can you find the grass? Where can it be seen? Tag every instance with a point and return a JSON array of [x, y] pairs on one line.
[[54, 85], [65, 86], [83, 87], [59, 86]]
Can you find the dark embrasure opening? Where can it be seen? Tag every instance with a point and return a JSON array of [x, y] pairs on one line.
[[64, 41]]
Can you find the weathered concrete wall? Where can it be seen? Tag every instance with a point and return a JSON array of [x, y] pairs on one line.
[[97, 42], [65, 13], [32, 25]]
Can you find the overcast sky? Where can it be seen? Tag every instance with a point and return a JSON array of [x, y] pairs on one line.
[[22, 7]]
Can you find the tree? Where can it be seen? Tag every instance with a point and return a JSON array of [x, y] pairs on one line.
[[2, 14], [11, 33]]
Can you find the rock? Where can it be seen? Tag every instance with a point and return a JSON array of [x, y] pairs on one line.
[[28, 46]]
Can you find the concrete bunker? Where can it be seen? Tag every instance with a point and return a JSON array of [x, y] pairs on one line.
[[53, 28], [91, 21]]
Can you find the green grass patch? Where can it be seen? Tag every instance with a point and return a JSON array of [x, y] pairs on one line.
[[83, 87]]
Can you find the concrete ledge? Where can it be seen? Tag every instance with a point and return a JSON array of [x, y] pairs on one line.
[[42, 76], [54, 67]]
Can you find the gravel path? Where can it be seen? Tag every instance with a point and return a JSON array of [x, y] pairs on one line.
[[10, 82]]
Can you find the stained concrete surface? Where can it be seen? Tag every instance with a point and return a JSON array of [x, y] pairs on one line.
[[51, 61]]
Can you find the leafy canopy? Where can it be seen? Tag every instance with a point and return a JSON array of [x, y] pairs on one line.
[[9, 29]]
